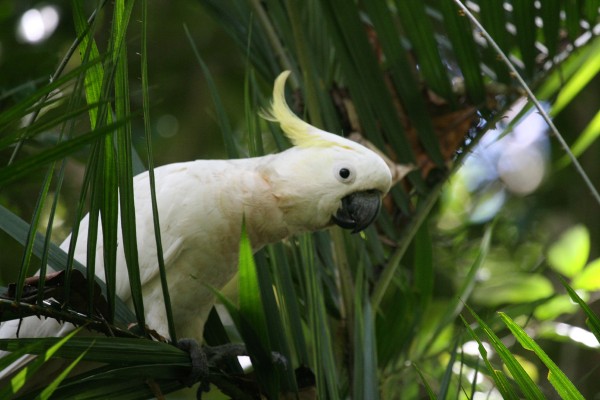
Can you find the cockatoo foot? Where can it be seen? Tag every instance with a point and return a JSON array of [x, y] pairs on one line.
[[205, 356], [200, 370]]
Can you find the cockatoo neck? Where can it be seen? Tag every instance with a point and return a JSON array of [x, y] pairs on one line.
[[292, 174]]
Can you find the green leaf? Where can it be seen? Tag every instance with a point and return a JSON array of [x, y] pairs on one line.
[[275, 328], [419, 29], [391, 269], [555, 81], [117, 177], [404, 77], [593, 322], [149, 151], [455, 306], [25, 264], [572, 18], [238, 19], [365, 363], [502, 385], [448, 371], [288, 298], [57, 258], [9, 358], [121, 17], [249, 290], [253, 323], [589, 278], [45, 125], [254, 136], [31, 103], [396, 314], [110, 211], [365, 81], [460, 34], [580, 79], [94, 172], [569, 254], [320, 337], [550, 14], [563, 386], [555, 307], [20, 379], [120, 351], [224, 124], [88, 50], [51, 388], [524, 20], [428, 388], [23, 167], [493, 18], [525, 383], [514, 288], [318, 102], [122, 383], [585, 139], [424, 269]]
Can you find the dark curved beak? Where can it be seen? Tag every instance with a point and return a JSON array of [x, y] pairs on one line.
[[358, 210]]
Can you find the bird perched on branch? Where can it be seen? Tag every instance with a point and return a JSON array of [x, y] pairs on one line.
[[324, 179]]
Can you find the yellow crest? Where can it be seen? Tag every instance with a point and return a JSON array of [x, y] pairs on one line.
[[299, 132]]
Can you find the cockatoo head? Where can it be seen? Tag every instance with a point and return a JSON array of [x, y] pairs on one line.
[[332, 179]]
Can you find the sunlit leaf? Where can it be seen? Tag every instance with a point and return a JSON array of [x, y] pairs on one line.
[[563, 386], [20, 379], [578, 81], [253, 323], [49, 390], [554, 307], [570, 252], [249, 292], [529, 367], [513, 288], [526, 384], [588, 278], [554, 82], [587, 137]]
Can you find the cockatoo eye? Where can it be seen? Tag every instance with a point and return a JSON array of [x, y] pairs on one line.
[[344, 174]]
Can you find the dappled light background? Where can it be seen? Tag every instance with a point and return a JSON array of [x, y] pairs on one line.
[[546, 225]]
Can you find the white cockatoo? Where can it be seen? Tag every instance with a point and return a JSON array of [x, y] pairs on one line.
[[323, 179]]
